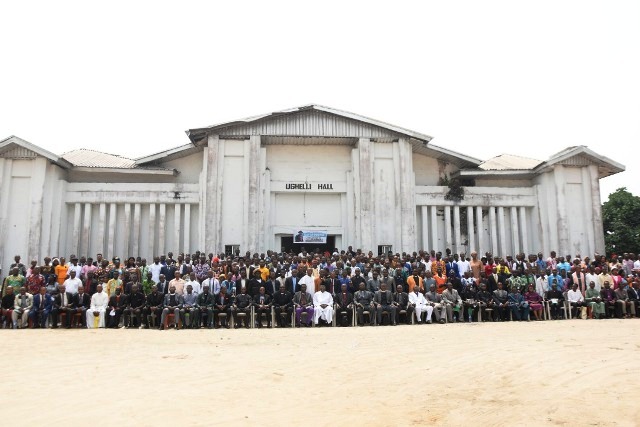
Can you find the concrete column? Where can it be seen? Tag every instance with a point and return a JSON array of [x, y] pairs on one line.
[[176, 227], [588, 217], [596, 207], [267, 233], [425, 227], [126, 232], [447, 228], [210, 205], [502, 235], [77, 219], [562, 225], [253, 201], [152, 229], [136, 230], [5, 182], [365, 156], [162, 224], [434, 228], [494, 231], [86, 232], [38, 173], [515, 232], [456, 229], [187, 227], [102, 218], [407, 196], [480, 228], [470, 234], [524, 226], [111, 232]]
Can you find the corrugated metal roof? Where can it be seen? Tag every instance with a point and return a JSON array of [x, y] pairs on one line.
[[96, 159], [509, 162]]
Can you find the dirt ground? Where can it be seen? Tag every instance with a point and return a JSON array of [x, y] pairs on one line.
[[577, 372]]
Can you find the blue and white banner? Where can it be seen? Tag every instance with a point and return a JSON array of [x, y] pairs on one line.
[[310, 237]]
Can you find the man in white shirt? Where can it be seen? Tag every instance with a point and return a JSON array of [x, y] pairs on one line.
[[420, 305], [99, 303], [72, 283], [309, 281], [155, 270], [322, 305], [576, 299], [592, 277], [463, 265], [74, 266], [213, 284]]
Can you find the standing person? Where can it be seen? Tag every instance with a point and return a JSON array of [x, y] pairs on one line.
[[35, 281], [15, 280], [61, 271], [99, 302], [72, 284]]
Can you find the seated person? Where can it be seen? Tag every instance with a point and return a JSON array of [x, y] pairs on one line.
[[322, 306], [303, 303], [222, 305], [262, 303], [469, 297], [242, 304], [204, 308], [172, 305], [555, 300], [188, 311], [575, 298], [420, 306], [383, 299], [135, 307], [283, 306], [152, 311], [609, 298], [363, 301], [535, 302], [593, 300], [344, 306], [42, 305], [624, 306], [23, 303], [117, 304], [6, 306], [453, 302], [485, 301], [517, 304], [434, 299]]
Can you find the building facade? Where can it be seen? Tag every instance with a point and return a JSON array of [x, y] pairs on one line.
[[251, 184]]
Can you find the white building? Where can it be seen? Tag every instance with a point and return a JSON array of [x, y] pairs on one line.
[[369, 184]]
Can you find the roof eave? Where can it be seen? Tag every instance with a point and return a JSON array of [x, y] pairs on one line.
[[131, 171]]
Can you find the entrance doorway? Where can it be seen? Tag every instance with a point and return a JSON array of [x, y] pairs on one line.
[[287, 245]]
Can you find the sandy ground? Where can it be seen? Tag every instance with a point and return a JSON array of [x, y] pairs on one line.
[[546, 373]]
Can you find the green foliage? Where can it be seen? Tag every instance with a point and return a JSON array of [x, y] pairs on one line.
[[621, 221]]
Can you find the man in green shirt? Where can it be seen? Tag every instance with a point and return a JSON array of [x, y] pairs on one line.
[[15, 280]]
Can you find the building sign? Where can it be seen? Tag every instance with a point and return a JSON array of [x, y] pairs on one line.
[[310, 237], [308, 186]]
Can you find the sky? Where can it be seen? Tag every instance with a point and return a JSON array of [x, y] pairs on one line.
[[482, 77]]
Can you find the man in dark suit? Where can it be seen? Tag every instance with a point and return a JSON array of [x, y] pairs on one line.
[[634, 297], [62, 303], [222, 304], [153, 307], [283, 305], [204, 308], [262, 302], [42, 304], [401, 301], [333, 283], [118, 302], [242, 304], [81, 303], [384, 302], [492, 281], [253, 285], [136, 303], [271, 285], [344, 306], [292, 284]]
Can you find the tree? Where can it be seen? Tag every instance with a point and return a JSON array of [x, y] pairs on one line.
[[621, 221]]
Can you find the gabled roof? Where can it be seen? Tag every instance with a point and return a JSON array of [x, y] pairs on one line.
[[14, 142], [580, 155], [509, 162], [97, 159], [197, 134]]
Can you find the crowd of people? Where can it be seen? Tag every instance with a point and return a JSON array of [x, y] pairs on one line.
[[341, 288]]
